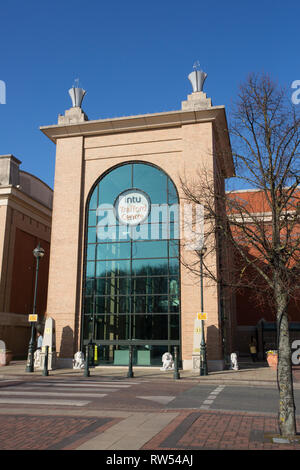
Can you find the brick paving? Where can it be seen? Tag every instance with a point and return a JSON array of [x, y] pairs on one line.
[[213, 430], [191, 430], [23, 432]]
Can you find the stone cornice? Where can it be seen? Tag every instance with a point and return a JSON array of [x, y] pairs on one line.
[[11, 195], [215, 115]]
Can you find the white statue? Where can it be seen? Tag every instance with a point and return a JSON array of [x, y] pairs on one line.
[[37, 359], [78, 361], [234, 362], [167, 360]]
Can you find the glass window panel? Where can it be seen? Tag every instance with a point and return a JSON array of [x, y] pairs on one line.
[[113, 250], [174, 249], [114, 183], [87, 327], [172, 193], [174, 232], [173, 214], [106, 216], [149, 267], [113, 286], [174, 294], [105, 304], [106, 226], [123, 233], [90, 269], [93, 199], [150, 285], [154, 231], [151, 180], [112, 304], [118, 314], [150, 249], [150, 304], [174, 266], [89, 286], [150, 327], [106, 234], [91, 235], [91, 250], [112, 327], [159, 214], [161, 231], [92, 218], [174, 327], [113, 268], [140, 232], [88, 304]]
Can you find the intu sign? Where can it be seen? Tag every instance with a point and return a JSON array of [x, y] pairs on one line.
[[132, 206]]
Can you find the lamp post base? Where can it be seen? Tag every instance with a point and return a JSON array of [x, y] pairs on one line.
[[30, 363]]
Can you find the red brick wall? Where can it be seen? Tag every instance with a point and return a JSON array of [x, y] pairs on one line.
[[23, 276]]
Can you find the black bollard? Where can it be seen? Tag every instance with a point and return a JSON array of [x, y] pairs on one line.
[[176, 371], [86, 369], [130, 371], [91, 348], [45, 370]]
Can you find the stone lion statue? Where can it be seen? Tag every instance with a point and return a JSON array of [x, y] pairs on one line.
[[234, 362], [78, 361], [167, 360]]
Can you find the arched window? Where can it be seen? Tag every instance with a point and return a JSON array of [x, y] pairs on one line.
[[131, 292]]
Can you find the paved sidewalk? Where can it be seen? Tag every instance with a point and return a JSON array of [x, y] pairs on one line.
[[168, 429], [215, 430], [249, 374], [164, 431]]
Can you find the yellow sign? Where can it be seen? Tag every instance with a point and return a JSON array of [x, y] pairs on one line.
[[32, 318], [202, 316]]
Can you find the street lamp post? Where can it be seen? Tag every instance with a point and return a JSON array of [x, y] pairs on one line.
[[38, 253], [203, 358]]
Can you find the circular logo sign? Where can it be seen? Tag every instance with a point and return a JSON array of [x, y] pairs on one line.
[[132, 206]]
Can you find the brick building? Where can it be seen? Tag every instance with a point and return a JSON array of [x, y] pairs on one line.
[[255, 314], [115, 286], [25, 216]]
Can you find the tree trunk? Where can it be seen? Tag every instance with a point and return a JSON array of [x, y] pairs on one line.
[[287, 419]]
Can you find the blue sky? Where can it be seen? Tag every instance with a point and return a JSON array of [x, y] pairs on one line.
[[132, 57]]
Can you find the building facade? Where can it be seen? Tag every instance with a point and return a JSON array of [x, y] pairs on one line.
[[25, 215], [116, 277], [255, 311]]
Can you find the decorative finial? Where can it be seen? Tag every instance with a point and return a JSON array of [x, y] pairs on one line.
[[77, 94], [197, 77]]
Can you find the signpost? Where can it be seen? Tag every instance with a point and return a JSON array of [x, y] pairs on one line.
[[32, 318], [202, 316]]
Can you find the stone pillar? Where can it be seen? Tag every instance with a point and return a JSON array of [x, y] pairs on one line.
[[65, 259], [9, 170], [49, 340]]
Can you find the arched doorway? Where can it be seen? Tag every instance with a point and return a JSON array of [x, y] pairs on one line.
[[131, 289]]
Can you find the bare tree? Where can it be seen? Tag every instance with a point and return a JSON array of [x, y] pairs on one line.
[[261, 227]]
